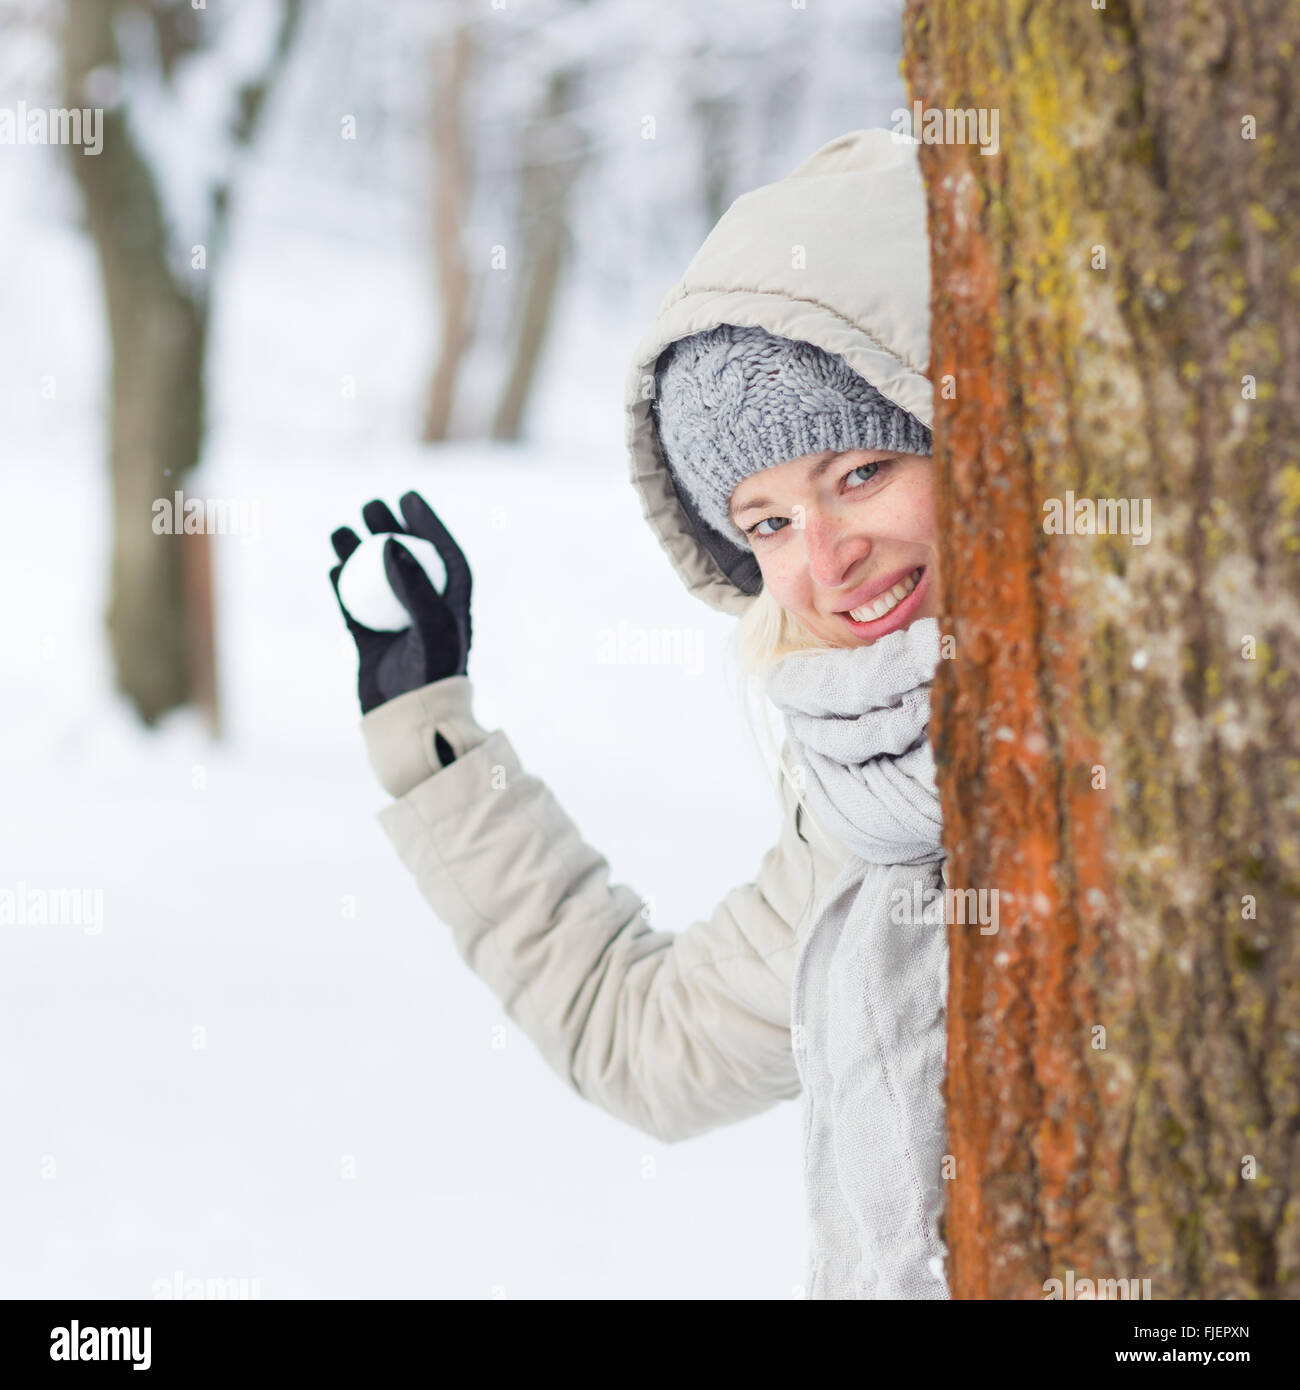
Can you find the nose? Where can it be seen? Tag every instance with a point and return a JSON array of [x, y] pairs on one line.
[[835, 550]]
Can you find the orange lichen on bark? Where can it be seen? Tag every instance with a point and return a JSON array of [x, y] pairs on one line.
[[1020, 818]]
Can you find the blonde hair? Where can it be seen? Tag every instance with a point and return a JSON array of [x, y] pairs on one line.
[[764, 634]]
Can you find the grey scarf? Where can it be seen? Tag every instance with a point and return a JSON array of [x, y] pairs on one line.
[[870, 981], [856, 719]]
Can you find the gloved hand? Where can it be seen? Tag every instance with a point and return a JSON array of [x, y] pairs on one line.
[[437, 642]]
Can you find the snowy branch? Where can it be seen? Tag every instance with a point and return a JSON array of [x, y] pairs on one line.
[[191, 112]]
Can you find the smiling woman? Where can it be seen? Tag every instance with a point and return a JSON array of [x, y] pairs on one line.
[[785, 451], [785, 456], [798, 982], [845, 541]]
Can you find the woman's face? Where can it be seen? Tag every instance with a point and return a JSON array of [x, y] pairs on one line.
[[847, 532]]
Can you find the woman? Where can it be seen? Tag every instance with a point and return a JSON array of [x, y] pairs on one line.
[[777, 419]]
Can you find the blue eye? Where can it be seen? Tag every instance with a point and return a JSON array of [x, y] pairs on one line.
[[875, 468]]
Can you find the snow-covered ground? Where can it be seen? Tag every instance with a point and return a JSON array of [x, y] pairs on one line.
[[358, 1042], [348, 1127], [270, 1064]]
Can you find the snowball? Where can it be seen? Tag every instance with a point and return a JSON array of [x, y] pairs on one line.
[[364, 586]]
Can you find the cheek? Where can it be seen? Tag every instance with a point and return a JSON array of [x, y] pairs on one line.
[[912, 505], [920, 507], [786, 582]]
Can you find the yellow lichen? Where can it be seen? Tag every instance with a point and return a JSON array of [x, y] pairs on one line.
[[1288, 482]]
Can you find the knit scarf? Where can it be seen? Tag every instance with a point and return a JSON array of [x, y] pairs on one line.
[[856, 719], [870, 980]]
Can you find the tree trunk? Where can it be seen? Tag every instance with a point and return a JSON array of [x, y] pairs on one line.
[[159, 617], [157, 331], [1114, 298], [451, 196], [545, 182], [715, 122]]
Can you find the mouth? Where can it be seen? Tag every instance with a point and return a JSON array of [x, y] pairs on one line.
[[892, 609]]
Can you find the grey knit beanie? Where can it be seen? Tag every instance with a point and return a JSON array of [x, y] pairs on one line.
[[732, 401]]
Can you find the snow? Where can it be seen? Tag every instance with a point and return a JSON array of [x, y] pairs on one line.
[[184, 123], [364, 586], [228, 871], [249, 891], [270, 1063]]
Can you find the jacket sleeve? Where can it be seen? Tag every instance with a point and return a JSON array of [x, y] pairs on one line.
[[672, 1032]]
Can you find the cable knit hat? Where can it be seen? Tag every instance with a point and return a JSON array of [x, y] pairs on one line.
[[732, 401]]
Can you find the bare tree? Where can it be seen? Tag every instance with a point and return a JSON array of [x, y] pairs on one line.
[[453, 58], [624, 130], [512, 81], [157, 200], [552, 161]]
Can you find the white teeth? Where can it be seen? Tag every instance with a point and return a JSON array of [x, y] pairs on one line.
[[882, 604]]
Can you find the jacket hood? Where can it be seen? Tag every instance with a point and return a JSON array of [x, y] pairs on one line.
[[835, 254]]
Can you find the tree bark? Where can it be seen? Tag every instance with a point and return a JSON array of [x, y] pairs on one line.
[[1114, 314], [451, 196], [157, 331], [159, 615], [715, 121], [546, 179]]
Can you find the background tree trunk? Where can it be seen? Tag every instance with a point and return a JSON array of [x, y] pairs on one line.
[[156, 330], [159, 616], [1115, 313], [715, 120], [451, 196], [551, 166]]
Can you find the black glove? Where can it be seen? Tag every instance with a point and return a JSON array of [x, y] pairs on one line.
[[437, 642]]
